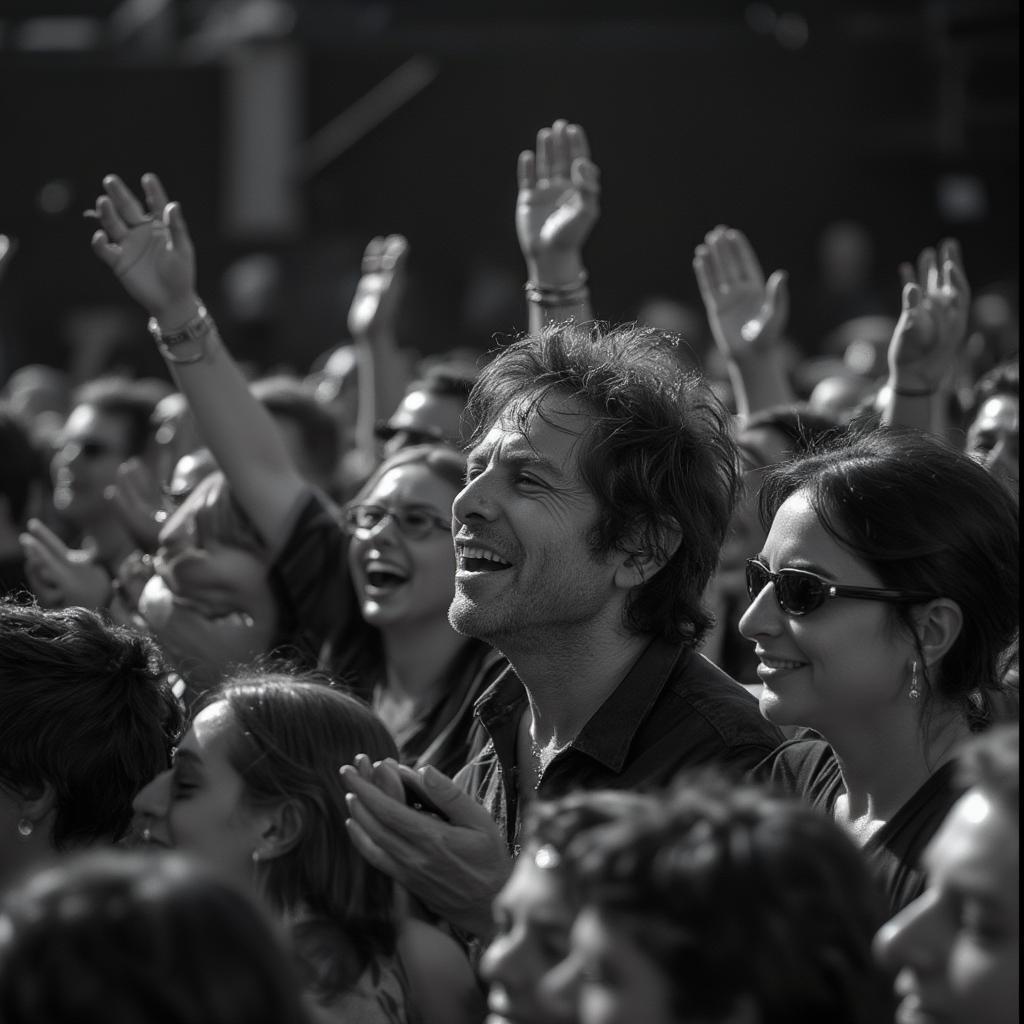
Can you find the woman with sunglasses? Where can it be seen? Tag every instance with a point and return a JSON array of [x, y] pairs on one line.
[[884, 606], [385, 626]]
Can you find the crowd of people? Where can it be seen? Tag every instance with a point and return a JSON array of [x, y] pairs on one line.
[[577, 683]]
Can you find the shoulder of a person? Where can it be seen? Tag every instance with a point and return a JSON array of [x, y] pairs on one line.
[[804, 758]]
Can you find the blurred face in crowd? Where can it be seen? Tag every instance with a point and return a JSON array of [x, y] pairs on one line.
[[533, 916], [209, 602], [619, 982], [199, 805], [841, 664], [993, 439], [423, 417], [524, 522], [90, 447], [957, 946], [403, 564]]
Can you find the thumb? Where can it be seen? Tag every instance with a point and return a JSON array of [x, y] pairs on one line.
[[585, 175], [777, 295], [461, 808], [911, 296], [179, 230]]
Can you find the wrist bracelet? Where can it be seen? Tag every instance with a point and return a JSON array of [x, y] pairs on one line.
[[553, 296], [913, 392], [194, 332]]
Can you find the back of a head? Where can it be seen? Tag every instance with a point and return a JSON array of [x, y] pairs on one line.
[[295, 731], [121, 938], [85, 708], [927, 518], [740, 898], [659, 455]]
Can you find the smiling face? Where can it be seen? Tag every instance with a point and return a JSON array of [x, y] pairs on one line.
[[843, 664], [533, 918], [523, 525], [957, 946], [198, 805], [400, 579]]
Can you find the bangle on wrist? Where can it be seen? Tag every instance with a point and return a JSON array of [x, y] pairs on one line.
[[188, 343], [555, 295]]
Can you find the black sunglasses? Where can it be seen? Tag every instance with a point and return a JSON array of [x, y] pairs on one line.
[[800, 592]]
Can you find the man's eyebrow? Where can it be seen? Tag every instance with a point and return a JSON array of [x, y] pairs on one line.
[[189, 756]]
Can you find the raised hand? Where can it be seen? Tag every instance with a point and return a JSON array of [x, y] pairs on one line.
[[746, 313], [62, 577], [559, 190], [932, 327], [148, 247], [374, 308]]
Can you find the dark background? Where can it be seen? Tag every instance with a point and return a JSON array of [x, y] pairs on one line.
[[776, 119]]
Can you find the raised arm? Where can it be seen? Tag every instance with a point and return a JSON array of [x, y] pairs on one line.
[[747, 316], [148, 247], [372, 319], [557, 208], [929, 336]]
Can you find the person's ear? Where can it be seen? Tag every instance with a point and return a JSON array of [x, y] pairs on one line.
[[283, 827], [37, 803], [938, 625], [637, 560]]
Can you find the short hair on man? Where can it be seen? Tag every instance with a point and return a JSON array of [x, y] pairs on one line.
[[991, 761], [660, 457], [87, 708], [132, 400]]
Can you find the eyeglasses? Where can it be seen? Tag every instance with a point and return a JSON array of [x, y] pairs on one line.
[[384, 431], [413, 521], [800, 592]]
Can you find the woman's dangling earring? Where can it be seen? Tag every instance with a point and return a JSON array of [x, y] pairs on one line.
[[915, 693], [25, 828]]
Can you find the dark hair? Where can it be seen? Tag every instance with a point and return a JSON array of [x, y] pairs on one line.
[[1003, 379], [132, 400], [659, 456], [991, 761], [737, 895], [21, 465], [924, 517], [87, 708], [294, 732], [292, 399], [118, 938], [800, 425], [442, 460]]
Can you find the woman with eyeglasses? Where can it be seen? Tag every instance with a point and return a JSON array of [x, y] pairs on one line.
[[884, 605], [375, 614]]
